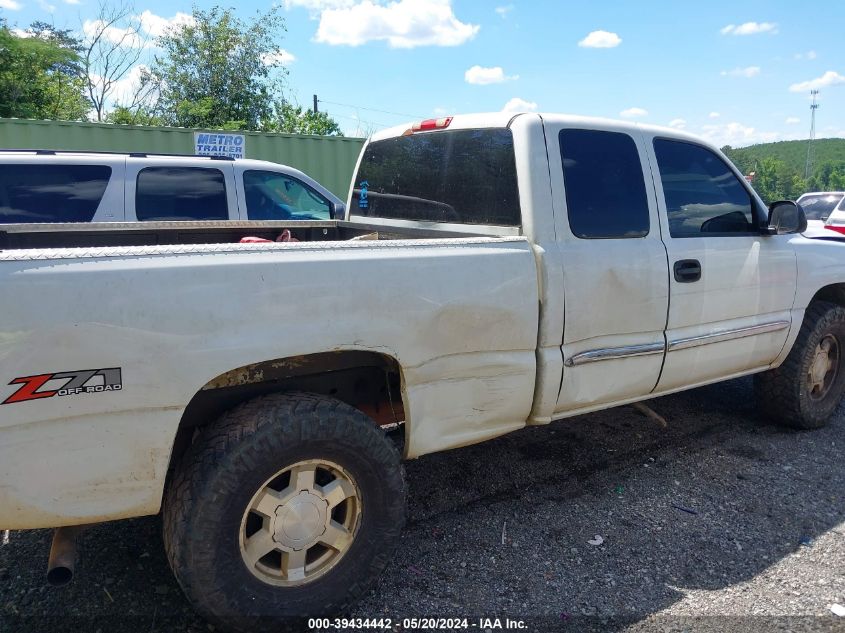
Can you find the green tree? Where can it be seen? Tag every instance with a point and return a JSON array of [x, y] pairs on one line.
[[219, 71], [775, 180], [133, 116], [39, 74], [828, 176], [744, 163], [294, 120]]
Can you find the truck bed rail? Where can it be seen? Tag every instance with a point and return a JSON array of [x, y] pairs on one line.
[[94, 234]]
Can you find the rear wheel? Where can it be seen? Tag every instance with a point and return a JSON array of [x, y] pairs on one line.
[[806, 389], [288, 506]]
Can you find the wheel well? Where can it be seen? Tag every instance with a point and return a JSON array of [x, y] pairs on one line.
[[368, 381], [834, 293]]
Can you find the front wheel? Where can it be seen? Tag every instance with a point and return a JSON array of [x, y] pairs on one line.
[[806, 389], [288, 506]]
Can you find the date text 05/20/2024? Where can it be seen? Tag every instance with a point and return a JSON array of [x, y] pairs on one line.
[[419, 624]]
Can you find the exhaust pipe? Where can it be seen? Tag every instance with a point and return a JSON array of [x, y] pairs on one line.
[[63, 551]]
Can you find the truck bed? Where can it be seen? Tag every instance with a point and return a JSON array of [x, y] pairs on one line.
[[106, 234]]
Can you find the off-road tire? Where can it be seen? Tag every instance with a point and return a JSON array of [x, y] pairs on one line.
[[783, 394], [225, 466]]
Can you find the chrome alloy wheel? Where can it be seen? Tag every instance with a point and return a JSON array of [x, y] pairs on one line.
[[300, 523], [824, 367]]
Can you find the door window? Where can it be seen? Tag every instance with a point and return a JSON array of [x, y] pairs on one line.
[[181, 193], [605, 189], [703, 195], [274, 196], [51, 193]]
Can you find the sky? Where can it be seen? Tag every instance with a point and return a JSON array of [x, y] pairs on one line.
[[733, 72]]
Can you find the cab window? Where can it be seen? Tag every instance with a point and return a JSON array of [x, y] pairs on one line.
[[455, 176], [605, 188], [274, 196], [703, 196]]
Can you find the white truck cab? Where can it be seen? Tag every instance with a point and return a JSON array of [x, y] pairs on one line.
[[495, 271], [42, 186]]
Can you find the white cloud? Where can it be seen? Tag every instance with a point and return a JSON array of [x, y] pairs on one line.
[[600, 39], [157, 26], [807, 55], [481, 76], [315, 6], [747, 72], [71, 1], [10, 5], [281, 57], [830, 78], [633, 113], [678, 124], [402, 24], [792, 120], [152, 26], [736, 134], [750, 28], [46, 6], [124, 37], [503, 11], [713, 115], [440, 111], [519, 105]]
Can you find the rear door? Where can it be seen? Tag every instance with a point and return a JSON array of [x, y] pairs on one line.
[[731, 287], [171, 189], [615, 271]]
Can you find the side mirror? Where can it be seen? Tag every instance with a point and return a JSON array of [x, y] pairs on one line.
[[786, 217], [339, 211]]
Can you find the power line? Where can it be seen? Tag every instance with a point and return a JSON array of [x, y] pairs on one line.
[[355, 118], [346, 105]]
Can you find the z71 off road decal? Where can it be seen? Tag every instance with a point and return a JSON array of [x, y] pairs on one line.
[[75, 382]]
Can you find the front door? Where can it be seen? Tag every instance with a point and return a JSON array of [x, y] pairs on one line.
[[731, 286]]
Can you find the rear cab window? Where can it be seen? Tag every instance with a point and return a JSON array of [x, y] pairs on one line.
[[449, 176], [38, 192]]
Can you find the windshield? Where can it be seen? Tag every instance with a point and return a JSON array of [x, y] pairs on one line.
[[458, 176], [819, 207]]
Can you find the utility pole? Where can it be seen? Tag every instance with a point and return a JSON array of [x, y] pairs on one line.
[[315, 104], [811, 154]]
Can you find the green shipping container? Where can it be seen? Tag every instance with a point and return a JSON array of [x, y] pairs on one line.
[[328, 159]]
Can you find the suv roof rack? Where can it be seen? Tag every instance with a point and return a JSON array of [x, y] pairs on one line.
[[53, 152]]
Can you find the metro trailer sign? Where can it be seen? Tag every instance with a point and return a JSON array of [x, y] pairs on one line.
[[219, 144]]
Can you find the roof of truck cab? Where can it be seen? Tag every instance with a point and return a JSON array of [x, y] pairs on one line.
[[505, 119]]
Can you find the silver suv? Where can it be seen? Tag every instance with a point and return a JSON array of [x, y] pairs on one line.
[[67, 186]]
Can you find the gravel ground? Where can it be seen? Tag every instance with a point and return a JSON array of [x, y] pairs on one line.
[[718, 522]]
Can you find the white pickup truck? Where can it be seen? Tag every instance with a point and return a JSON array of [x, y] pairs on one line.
[[528, 268]]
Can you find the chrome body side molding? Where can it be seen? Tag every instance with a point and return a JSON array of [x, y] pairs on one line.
[[612, 353], [647, 349], [727, 335]]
